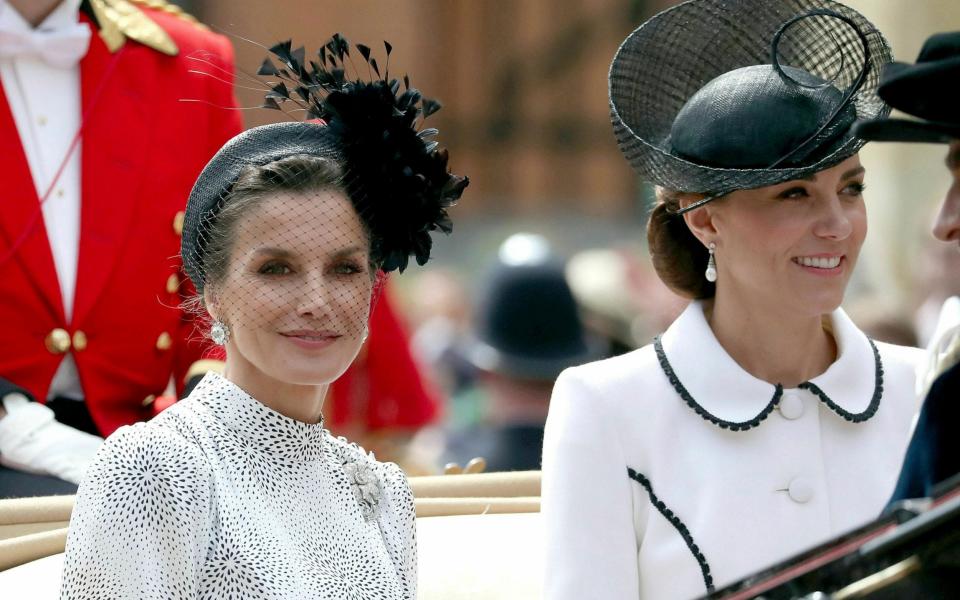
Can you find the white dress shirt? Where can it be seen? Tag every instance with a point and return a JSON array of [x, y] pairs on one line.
[[45, 102], [645, 495]]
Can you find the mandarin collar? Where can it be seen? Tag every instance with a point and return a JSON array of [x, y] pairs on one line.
[[258, 426], [724, 393]]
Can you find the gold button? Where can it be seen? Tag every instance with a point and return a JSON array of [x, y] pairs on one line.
[[79, 340], [164, 341], [58, 341], [148, 400], [178, 223], [60, 193], [173, 284], [41, 121]]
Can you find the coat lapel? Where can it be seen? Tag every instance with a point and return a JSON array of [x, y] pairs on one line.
[[115, 100], [21, 218]]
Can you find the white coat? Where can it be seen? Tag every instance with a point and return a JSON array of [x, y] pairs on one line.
[[647, 495]]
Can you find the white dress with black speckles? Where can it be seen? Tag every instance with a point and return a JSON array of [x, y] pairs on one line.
[[221, 497]]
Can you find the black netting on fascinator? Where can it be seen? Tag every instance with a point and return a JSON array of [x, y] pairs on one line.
[[713, 96], [365, 122]]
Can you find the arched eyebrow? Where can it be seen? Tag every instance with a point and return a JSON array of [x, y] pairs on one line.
[[284, 253], [853, 173], [848, 175], [348, 251], [271, 251]]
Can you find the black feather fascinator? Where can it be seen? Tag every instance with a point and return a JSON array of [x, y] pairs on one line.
[[395, 173]]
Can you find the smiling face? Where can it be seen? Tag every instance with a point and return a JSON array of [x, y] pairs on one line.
[[789, 246], [296, 292]]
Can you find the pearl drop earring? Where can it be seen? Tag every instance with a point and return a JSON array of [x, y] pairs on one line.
[[711, 272]]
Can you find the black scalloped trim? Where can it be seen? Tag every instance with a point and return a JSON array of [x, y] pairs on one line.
[[874, 401], [777, 394], [678, 525], [731, 425]]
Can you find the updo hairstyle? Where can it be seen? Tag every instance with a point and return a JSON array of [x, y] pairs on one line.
[[679, 258]]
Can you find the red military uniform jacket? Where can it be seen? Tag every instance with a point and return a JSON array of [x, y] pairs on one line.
[[141, 151]]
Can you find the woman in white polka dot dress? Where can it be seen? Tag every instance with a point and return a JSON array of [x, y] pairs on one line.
[[238, 491]]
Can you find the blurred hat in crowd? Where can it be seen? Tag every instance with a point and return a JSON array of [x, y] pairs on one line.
[[713, 96], [527, 324], [928, 89]]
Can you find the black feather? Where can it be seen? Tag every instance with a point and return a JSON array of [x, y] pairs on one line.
[[297, 58], [396, 177], [282, 51], [267, 68], [364, 51], [279, 91], [430, 106]]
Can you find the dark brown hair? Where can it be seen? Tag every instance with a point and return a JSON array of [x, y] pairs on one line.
[[678, 256]]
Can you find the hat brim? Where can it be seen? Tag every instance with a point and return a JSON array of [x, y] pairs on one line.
[[485, 357], [905, 130], [920, 89], [674, 54]]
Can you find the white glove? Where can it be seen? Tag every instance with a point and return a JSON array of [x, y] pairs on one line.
[[32, 440]]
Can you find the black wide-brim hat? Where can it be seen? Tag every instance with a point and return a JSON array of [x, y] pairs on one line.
[[929, 89], [665, 62]]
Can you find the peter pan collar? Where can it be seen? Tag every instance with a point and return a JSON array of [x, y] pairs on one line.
[[719, 390]]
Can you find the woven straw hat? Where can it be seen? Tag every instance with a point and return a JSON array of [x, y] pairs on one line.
[[820, 57]]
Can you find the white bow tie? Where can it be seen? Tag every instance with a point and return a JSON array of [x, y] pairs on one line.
[[62, 47]]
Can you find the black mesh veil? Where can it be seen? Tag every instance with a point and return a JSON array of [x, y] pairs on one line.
[[290, 227], [253, 148]]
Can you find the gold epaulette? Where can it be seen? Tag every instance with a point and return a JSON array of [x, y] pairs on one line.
[[120, 20], [174, 10]]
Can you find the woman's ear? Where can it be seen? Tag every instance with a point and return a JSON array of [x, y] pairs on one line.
[[210, 302], [700, 220]]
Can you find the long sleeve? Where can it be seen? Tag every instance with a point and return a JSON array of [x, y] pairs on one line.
[[398, 523], [141, 522], [587, 506]]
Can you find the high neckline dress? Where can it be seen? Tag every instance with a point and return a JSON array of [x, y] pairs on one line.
[[222, 497]]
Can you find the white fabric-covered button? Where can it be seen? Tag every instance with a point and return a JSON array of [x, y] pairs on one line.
[[791, 406], [800, 490]]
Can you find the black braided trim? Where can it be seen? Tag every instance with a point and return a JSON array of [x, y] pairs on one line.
[[874, 401], [778, 392], [731, 425], [678, 525]]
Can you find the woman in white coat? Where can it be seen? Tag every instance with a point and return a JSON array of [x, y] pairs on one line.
[[763, 421]]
